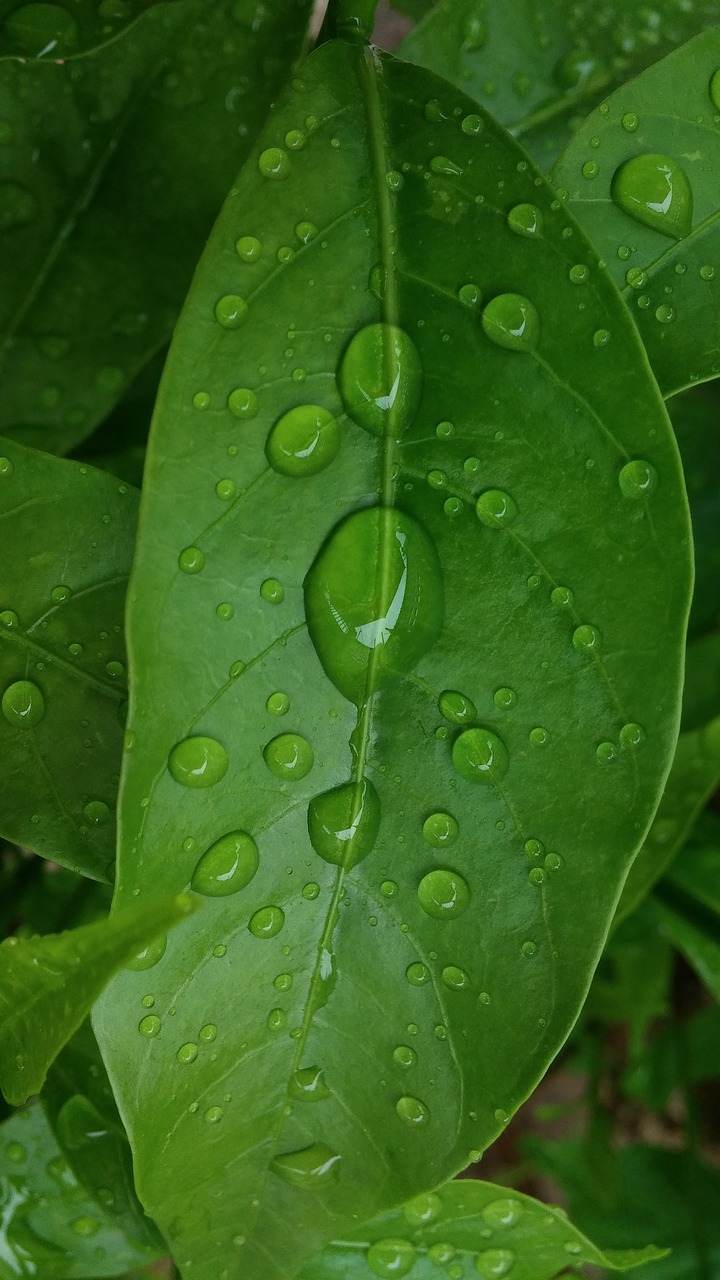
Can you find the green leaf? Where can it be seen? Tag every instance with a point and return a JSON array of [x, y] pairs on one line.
[[477, 1227], [688, 930], [688, 903], [41, 30], [536, 65], [682, 1054], [694, 776], [68, 535], [111, 175], [695, 415], [641, 177], [51, 1228], [420, 986], [632, 981], [49, 984]]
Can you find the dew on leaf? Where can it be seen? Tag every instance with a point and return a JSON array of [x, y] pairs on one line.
[[231, 311], [440, 1254], [443, 894], [201, 400], [502, 1213], [343, 823], [308, 1085], [150, 1026], [272, 591], [390, 1257], [187, 1053], [494, 1263], [311, 1168], [479, 755], [303, 442], [606, 752], [311, 891], [656, 192], [306, 231], [412, 1111], [226, 490], [380, 379], [440, 830], [445, 167], [504, 698], [84, 1226], [417, 974], [274, 163], [539, 736], [630, 122], [637, 479], [631, 735], [267, 922], [525, 220], [97, 813], [289, 756], [579, 274], [276, 1019], [511, 321], [227, 866], [496, 509], [456, 708], [243, 403], [23, 704], [586, 639], [198, 762], [191, 560], [60, 594], [213, 1115], [248, 248], [149, 955], [404, 1056], [455, 979]]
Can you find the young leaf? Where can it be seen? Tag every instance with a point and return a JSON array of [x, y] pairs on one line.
[[479, 1228], [641, 176], [52, 32], [687, 929], [111, 175], [536, 65], [381, 739], [694, 776], [695, 415], [51, 1228], [49, 984], [68, 534]]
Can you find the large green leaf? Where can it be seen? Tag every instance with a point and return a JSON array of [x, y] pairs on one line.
[[537, 63], [479, 1228], [56, 31], [49, 984], [68, 534], [641, 176], [112, 169], [694, 776], [417, 1027], [51, 1228]]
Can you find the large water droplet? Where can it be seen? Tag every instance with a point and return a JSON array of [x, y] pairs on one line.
[[275, 163], [308, 1085], [443, 894], [637, 479], [191, 560], [343, 823], [456, 708], [23, 704], [586, 638], [303, 442], [526, 220], [150, 955], [480, 756], [374, 600], [493, 1263], [440, 830], [227, 866], [423, 1209], [381, 379], [655, 191], [231, 311], [404, 1056], [312, 1167], [412, 1111], [502, 1213], [511, 321], [267, 922], [289, 756], [198, 762], [150, 1026], [455, 978], [389, 1258], [41, 29], [496, 509]]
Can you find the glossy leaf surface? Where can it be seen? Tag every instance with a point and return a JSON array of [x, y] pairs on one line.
[[537, 66], [694, 776], [404, 900], [51, 1228], [41, 30], [695, 415], [479, 1229], [641, 176], [112, 169], [49, 984], [68, 534]]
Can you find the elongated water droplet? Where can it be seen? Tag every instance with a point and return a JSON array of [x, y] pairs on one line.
[[312, 1167], [526, 220], [227, 866], [389, 1258], [198, 762], [443, 894], [150, 955], [456, 708], [479, 755], [303, 442], [308, 1085], [511, 321], [655, 190], [381, 379], [374, 600], [289, 756], [267, 922], [343, 823], [23, 704]]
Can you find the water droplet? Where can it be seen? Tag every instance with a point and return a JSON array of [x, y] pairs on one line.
[[248, 248], [312, 1167], [150, 955], [23, 704], [243, 403], [502, 1213], [213, 1115], [586, 639], [536, 876], [343, 823], [423, 1210], [470, 295], [97, 813], [528, 948], [311, 891], [277, 1018], [289, 756], [539, 737], [456, 708], [631, 735], [381, 379], [579, 274], [496, 509], [306, 231], [308, 1085], [231, 311], [191, 560], [303, 442], [85, 1226], [637, 479], [562, 597], [444, 430], [278, 704], [665, 314], [511, 321], [150, 1026], [707, 272], [601, 337], [394, 180], [480, 756], [267, 922], [371, 627], [388, 888], [198, 762], [412, 1111], [58, 595], [201, 400], [114, 670], [40, 29], [227, 866], [440, 830], [16, 1153], [440, 1254], [526, 220], [9, 619], [606, 752], [226, 489], [219, 951], [417, 974], [445, 167], [208, 1033], [272, 591], [187, 1053], [455, 979], [504, 698], [404, 1056], [655, 191], [443, 894], [390, 1257], [274, 163], [493, 1263]]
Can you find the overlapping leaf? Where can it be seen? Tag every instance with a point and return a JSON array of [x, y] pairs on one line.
[[61, 31], [68, 534], [641, 176], [112, 169], [49, 984], [339, 1029]]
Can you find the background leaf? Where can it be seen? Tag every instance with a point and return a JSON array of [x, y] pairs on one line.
[[49, 984], [52, 1229], [430, 1024], [68, 534], [111, 173], [654, 145], [53, 31]]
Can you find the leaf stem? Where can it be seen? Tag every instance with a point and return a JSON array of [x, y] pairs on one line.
[[352, 20]]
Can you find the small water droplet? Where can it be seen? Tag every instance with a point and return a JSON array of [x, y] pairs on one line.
[[97, 813], [227, 866], [505, 698], [311, 891], [586, 639], [278, 704], [267, 922], [191, 560], [511, 321], [631, 735], [579, 274], [707, 272], [440, 1254], [150, 1026], [455, 978], [606, 752], [272, 591], [381, 379], [23, 704], [630, 122], [655, 191], [539, 737], [562, 597], [601, 337], [187, 1053], [84, 1226], [536, 876], [479, 755], [443, 894], [502, 1213], [150, 955], [470, 295], [493, 1263], [306, 231], [243, 403], [496, 509], [248, 248], [198, 762], [525, 220], [417, 974], [388, 888], [528, 948], [289, 756], [404, 1056], [412, 1111], [423, 1210], [231, 311], [637, 479], [440, 830], [213, 1115], [274, 163], [312, 1167]]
